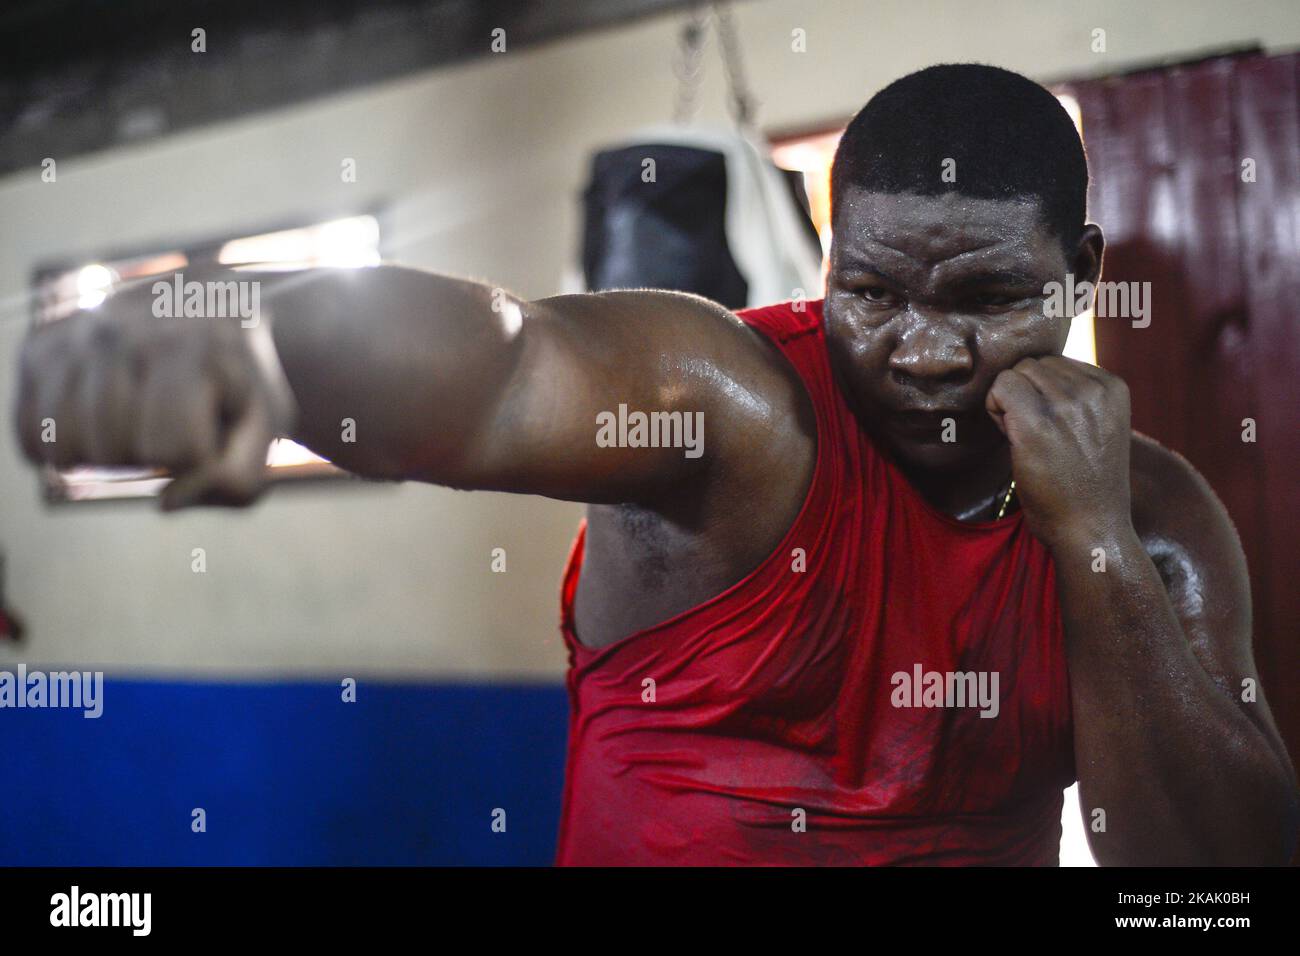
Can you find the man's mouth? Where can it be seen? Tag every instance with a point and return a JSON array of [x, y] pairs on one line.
[[930, 414], [937, 411], [927, 422]]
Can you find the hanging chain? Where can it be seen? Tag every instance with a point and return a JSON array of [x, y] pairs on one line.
[[742, 101], [689, 62]]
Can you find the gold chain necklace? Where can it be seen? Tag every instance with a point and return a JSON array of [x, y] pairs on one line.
[[1007, 500]]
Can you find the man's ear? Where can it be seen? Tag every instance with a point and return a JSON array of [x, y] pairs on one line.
[[1086, 264]]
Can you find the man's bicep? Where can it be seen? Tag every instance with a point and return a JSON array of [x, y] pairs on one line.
[[1192, 541], [609, 398]]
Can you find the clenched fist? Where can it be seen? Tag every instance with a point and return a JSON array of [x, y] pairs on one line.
[[120, 386], [1068, 426]]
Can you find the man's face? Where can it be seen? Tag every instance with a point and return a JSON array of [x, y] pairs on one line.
[[928, 299]]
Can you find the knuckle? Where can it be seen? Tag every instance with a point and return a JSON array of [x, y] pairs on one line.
[[241, 487]]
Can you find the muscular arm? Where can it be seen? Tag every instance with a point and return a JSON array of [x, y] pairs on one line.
[[1158, 643], [443, 380], [1159, 646]]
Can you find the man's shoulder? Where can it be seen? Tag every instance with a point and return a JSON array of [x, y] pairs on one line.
[[1164, 483], [1179, 517]]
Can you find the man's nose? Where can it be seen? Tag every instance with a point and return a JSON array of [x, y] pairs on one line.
[[932, 352]]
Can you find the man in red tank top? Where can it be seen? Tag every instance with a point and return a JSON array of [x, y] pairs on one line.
[[951, 578], [863, 580]]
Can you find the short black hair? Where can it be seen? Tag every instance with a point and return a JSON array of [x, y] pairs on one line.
[[1009, 138]]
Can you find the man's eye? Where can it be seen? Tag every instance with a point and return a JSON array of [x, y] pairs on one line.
[[996, 300], [877, 294]]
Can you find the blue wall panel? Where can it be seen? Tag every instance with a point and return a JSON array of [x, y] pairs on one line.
[[288, 774]]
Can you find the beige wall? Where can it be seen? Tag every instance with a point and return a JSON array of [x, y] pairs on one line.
[[479, 168]]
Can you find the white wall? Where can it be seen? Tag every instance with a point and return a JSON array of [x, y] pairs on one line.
[[480, 167]]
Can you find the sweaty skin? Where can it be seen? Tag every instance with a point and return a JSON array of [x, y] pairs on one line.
[[935, 309], [934, 318]]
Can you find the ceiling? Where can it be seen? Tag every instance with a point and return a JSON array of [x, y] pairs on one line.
[[81, 75]]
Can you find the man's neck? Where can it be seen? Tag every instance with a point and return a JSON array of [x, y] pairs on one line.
[[975, 493], [972, 493]]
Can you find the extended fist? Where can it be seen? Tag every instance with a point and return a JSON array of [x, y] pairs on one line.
[[122, 387]]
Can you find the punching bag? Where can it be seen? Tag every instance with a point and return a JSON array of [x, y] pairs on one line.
[[697, 210]]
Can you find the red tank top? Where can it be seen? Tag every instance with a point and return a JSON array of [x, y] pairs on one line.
[[777, 733]]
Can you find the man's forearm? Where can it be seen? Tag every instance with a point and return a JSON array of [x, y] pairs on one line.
[[1181, 773], [393, 369]]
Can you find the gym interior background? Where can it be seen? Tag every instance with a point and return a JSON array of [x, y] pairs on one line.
[[473, 162]]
